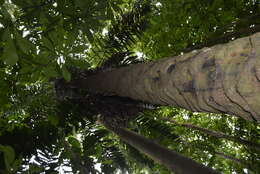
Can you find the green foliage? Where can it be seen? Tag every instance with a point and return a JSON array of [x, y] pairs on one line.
[[66, 74], [183, 25], [9, 54], [147, 125], [42, 40], [9, 156], [208, 149]]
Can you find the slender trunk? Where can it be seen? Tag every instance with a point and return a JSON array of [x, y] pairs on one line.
[[236, 160], [251, 166], [172, 160], [221, 79], [222, 155], [217, 134]]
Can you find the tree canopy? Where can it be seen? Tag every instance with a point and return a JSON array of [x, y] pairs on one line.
[[47, 130]]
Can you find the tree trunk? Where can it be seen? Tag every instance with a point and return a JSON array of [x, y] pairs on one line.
[[221, 79], [222, 155], [235, 160], [216, 134], [172, 160]]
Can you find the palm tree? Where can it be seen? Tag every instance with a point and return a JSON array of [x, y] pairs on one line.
[[174, 161], [221, 79]]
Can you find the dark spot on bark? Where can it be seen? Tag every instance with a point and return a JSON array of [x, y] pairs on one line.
[[156, 79], [171, 68], [243, 54], [211, 99], [189, 86], [208, 63]]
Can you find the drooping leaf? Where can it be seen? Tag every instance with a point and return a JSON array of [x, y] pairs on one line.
[[23, 43], [10, 56], [9, 155], [66, 74], [74, 142], [47, 43]]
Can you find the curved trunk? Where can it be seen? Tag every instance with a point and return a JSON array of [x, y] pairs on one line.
[[216, 134], [172, 160], [221, 79]]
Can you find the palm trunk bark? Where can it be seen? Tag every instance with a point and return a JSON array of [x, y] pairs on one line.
[[221, 79], [216, 134], [172, 160]]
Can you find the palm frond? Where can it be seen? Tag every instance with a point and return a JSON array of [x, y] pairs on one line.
[[147, 123], [124, 31], [115, 160]]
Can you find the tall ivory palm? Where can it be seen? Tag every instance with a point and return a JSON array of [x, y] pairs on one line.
[[221, 79], [172, 160]]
